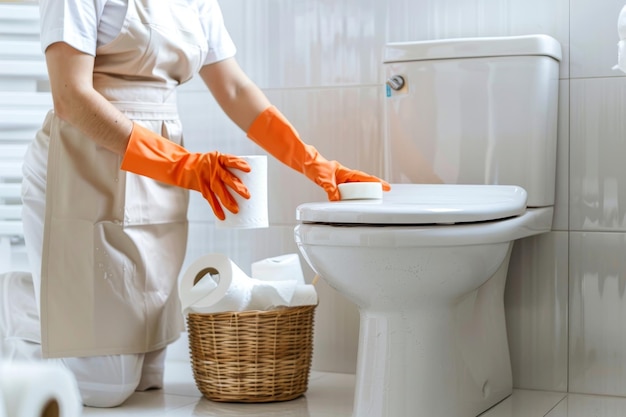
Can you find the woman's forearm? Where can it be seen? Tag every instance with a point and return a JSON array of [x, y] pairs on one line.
[[237, 95], [78, 103]]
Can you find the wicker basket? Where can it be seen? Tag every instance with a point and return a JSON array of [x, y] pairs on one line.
[[252, 356]]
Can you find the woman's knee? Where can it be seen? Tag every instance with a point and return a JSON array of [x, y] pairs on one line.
[[106, 381], [104, 396]]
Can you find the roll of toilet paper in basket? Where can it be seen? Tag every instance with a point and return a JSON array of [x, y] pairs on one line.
[[621, 45], [213, 283], [279, 268], [39, 389], [304, 295], [253, 212]]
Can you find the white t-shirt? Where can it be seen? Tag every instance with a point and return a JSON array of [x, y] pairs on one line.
[[89, 24]]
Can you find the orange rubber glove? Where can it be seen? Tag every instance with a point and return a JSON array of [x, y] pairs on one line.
[[151, 155], [271, 131]]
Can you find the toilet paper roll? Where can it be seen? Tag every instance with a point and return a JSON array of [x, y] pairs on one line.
[[267, 295], [279, 268], [213, 283], [271, 296], [305, 295], [361, 191], [621, 45], [253, 212], [39, 389]]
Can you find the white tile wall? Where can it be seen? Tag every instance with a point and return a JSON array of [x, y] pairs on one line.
[[597, 190], [436, 19], [291, 44], [598, 310], [536, 298], [593, 32], [597, 171], [561, 205]]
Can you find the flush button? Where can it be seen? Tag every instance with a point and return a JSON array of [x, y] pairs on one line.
[[396, 82]]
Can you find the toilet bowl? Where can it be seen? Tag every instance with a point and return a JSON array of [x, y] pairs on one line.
[[426, 265]]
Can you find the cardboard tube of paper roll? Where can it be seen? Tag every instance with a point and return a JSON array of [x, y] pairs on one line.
[[214, 283]]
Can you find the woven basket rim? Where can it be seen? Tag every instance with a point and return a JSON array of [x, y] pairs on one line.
[[281, 309]]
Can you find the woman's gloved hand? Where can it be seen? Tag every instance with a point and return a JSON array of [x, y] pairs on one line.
[[276, 135], [151, 155]]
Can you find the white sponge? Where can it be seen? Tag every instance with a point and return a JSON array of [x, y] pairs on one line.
[[361, 191]]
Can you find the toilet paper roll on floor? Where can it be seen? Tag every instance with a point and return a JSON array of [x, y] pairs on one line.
[[38, 389], [253, 212], [279, 268]]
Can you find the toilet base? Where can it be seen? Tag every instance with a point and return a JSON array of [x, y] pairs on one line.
[[447, 360]]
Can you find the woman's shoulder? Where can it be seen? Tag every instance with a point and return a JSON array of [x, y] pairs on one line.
[[76, 22]]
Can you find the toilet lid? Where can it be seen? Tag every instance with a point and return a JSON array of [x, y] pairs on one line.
[[422, 204]]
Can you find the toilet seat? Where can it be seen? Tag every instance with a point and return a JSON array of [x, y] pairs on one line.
[[422, 204]]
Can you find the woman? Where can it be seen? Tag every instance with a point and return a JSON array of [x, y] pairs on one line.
[[106, 179]]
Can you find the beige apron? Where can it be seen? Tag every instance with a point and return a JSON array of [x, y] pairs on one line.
[[114, 242]]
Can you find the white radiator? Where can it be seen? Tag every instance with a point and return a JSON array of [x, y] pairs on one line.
[[24, 102]]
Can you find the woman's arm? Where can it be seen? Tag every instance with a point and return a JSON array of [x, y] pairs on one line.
[[249, 108], [78, 103], [145, 152], [237, 95]]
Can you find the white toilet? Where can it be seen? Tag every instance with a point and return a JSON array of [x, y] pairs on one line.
[[427, 264]]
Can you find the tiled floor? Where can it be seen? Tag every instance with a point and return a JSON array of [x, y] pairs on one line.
[[330, 395], [549, 404]]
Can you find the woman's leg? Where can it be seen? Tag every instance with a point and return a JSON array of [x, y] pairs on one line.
[[103, 381], [19, 319], [152, 371], [34, 175]]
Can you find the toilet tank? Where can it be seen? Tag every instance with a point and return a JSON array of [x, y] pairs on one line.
[[474, 111]]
